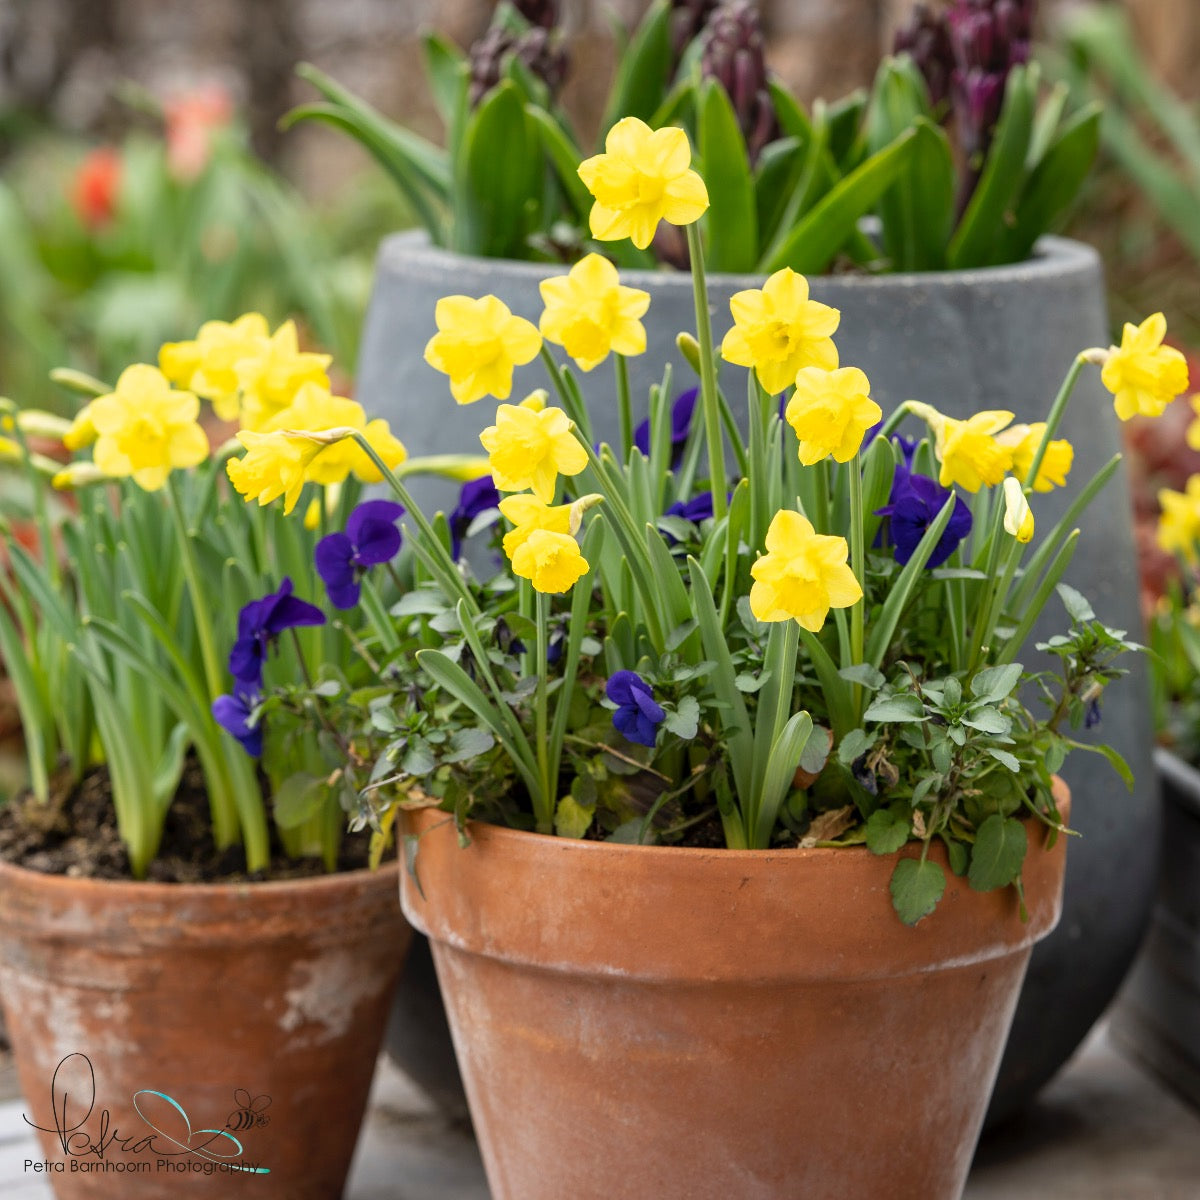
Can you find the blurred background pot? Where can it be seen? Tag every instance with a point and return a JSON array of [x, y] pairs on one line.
[[772, 1007], [994, 338], [1158, 1016], [237, 1001]]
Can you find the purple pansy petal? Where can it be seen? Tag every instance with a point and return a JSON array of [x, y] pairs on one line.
[[631, 724], [233, 714], [386, 512], [648, 706], [620, 686], [292, 612], [246, 660], [476, 497], [913, 506], [334, 557], [344, 595], [378, 542]]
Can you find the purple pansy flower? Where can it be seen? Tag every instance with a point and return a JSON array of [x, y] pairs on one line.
[[682, 412], [371, 537], [638, 716], [698, 508], [233, 714], [259, 623], [913, 506], [477, 497]]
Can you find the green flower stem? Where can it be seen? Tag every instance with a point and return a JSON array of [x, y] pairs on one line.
[[708, 376], [624, 406], [565, 396], [213, 674], [377, 613], [545, 810], [822, 517], [858, 564], [995, 595], [1054, 420]]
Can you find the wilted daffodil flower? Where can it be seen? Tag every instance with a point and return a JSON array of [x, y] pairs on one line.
[[830, 412], [803, 574], [969, 452], [1024, 441], [644, 176], [146, 429], [779, 331], [1143, 375], [550, 561], [529, 449], [1018, 516], [270, 377], [590, 313], [208, 364], [1179, 524], [478, 343]]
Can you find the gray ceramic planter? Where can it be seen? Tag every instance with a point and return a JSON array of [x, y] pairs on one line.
[[1158, 1016], [963, 341]]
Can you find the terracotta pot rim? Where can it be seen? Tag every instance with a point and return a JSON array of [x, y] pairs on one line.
[[1051, 257], [155, 889], [657, 913]]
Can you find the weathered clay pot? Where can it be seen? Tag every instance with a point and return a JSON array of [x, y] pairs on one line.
[[1158, 1013], [1001, 337], [648, 1021], [183, 1012]]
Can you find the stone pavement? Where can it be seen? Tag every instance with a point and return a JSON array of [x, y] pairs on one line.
[[1104, 1130]]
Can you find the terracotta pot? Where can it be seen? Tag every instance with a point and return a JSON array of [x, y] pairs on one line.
[[185, 1012], [644, 1021]]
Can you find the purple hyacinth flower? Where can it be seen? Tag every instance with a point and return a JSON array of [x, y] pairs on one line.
[[371, 537], [638, 716], [476, 497], [233, 714], [682, 412], [259, 623], [913, 506]]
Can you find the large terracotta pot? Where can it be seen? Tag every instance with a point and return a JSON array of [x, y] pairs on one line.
[[999, 337], [171, 1017], [650, 1021]]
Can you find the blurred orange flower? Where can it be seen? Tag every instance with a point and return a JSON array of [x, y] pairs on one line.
[[95, 188], [192, 118]]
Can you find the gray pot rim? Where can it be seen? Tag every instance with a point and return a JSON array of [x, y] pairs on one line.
[[1182, 779], [1052, 258]]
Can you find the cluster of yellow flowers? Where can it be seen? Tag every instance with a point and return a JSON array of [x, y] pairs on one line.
[[148, 425]]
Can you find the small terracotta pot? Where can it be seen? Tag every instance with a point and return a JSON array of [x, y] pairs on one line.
[[187, 1013], [652, 1021]]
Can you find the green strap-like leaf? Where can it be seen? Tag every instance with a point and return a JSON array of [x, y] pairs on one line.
[[732, 217], [641, 81]]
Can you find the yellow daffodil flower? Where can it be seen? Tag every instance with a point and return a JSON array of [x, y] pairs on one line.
[[550, 561], [590, 313], [1179, 523], [1018, 516], [82, 431], [275, 464], [644, 176], [779, 331], [830, 412], [270, 377], [478, 343], [1024, 441], [528, 514], [970, 454], [208, 364], [803, 574], [146, 429], [1143, 375], [528, 450], [315, 409]]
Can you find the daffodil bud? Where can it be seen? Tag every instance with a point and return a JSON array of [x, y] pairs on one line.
[[1018, 516], [687, 345], [79, 381], [78, 475]]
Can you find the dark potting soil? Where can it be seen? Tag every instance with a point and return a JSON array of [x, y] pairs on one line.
[[75, 834]]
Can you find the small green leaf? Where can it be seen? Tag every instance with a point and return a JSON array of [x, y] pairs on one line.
[[904, 707], [958, 855], [571, 819], [684, 722], [1076, 603], [994, 684], [468, 743], [1003, 756], [298, 799], [999, 853], [854, 745], [863, 673], [916, 888], [419, 759], [887, 831]]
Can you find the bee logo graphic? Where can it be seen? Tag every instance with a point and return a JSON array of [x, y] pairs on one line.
[[249, 1113]]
